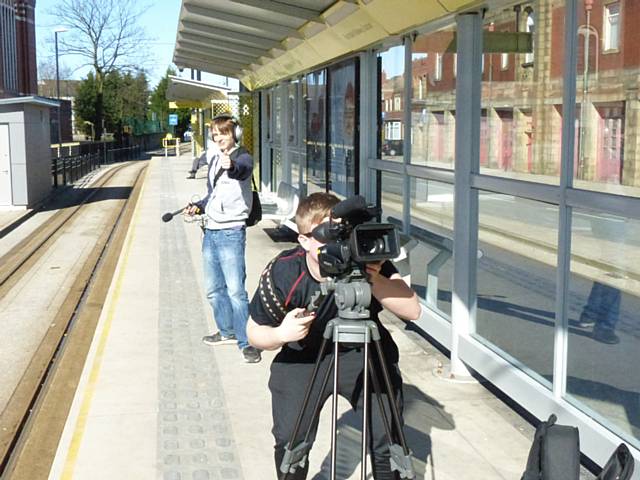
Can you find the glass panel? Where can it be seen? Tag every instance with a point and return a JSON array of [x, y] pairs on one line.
[[295, 168], [521, 119], [433, 102], [292, 113], [276, 168], [607, 151], [267, 126], [391, 98], [391, 197], [516, 281], [343, 98], [432, 257], [277, 96], [315, 100], [604, 320]]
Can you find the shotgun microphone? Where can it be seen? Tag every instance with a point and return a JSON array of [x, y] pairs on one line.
[[167, 217]]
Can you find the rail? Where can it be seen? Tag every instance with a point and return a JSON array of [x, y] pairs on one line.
[[66, 170]]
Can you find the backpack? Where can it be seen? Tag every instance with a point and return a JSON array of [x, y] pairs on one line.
[[619, 466], [555, 453], [255, 215]]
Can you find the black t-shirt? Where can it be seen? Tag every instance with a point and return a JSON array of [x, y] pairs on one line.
[[294, 287]]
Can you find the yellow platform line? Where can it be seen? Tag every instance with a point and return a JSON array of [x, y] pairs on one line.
[[81, 422]]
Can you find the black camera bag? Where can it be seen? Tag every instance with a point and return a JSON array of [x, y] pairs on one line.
[[555, 453], [620, 465]]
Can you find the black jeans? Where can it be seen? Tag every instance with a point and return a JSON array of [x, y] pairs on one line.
[[288, 383]]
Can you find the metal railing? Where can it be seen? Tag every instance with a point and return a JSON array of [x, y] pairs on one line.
[[67, 170]]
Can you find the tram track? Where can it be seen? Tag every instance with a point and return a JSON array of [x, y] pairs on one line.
[[34, 416]]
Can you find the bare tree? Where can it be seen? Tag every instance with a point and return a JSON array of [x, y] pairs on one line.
[[47, 69], [106, 35]]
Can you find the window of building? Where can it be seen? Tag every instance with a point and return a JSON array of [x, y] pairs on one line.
[[397, 103], [504, 61], [455, 65], [611, 26], [438, 71], [530, 28]]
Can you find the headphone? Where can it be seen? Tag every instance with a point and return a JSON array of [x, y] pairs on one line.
[[237, 129]]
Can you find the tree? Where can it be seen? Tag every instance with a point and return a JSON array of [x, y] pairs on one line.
[[124, 101], [106, 34], [159, 104]]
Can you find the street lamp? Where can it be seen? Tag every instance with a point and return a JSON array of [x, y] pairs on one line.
[[56, 32]]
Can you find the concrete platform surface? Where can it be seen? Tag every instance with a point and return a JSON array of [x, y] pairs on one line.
[[156, 403]]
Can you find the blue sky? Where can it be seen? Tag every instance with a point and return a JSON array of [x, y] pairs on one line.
[[160, 21]]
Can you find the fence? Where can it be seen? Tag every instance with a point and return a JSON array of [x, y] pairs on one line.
[[66, 170]]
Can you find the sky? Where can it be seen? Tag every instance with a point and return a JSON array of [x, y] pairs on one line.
[[160, 21]]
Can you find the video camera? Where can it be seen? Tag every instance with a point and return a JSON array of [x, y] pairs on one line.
[[352, 243]]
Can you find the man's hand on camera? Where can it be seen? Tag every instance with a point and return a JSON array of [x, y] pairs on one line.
[[373, 271], [295, 327]]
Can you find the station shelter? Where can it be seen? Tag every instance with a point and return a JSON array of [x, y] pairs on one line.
[[503, 138]]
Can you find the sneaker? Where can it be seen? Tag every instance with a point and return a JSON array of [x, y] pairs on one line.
[[191, 175], [585, 322], [219, 339], [251, 354], [605, 335]]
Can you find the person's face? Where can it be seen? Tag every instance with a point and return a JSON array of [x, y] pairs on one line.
[[310, 244], [224, 141]]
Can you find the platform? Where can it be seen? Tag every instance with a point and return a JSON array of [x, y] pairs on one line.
[[155, 402]]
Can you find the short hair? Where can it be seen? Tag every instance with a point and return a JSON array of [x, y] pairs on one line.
[[313, 209], [225, 124]]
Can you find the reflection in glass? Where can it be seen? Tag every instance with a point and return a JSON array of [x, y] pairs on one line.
[[432, 257], [516, 280], [276, 168], [607, 117], [292, 112], [391, 98], [433, 103], [604, 320], [521, 119], [315, 99], [343, 100]]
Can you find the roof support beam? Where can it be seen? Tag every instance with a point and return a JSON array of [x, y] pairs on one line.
[[219, 16], [220, 45], [212, 58], [251, 40], [284, 9], [216, 52], [205, 66]]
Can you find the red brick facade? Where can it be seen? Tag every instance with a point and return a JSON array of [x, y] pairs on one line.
[[18, 70]]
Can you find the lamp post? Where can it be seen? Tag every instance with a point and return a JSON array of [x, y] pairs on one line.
[[56, 32]]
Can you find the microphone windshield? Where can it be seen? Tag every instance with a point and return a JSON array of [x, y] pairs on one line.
[[349, 207], [167, 217]]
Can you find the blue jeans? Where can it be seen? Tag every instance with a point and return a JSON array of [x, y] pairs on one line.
[[224, 276]]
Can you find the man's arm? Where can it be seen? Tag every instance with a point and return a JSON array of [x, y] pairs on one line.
[[292, 329], [241, 166], [394, 294]]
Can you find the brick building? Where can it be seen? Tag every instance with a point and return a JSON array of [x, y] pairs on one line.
[[18, 71]]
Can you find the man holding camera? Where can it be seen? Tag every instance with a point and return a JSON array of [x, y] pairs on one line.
[[295, 279]]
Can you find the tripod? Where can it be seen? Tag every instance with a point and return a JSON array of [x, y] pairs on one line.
[[353, 325]]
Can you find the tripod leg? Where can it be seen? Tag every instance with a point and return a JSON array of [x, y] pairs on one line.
[[400, 457], [365, 411], [295, 456], [334, 409]]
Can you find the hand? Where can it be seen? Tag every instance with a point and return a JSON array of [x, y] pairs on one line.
[[225, 161], [192, 209], [373, 270], [293, 327]]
